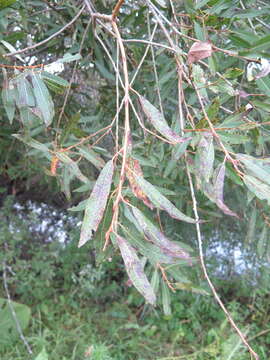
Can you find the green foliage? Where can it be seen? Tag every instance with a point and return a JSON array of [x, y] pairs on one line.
[[157, 116]]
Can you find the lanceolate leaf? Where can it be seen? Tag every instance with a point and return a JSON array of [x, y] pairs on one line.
[[259, 168], [135, 271], [205, 156], [218, 190], [157, 120], [93, 157], [161, 202], [73, 166], [158, 238], [96, 203], [258, 187], [43, 98], [214, 191], [25, 90], [8, 97]]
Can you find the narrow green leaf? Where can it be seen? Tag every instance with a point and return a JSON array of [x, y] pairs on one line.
[[251, 234], [158, 121], [166, 299], [260, 168], [160, 201], [155, 280], [73, 166], [93, 157], [26, 95], [261, 44], [257, 187], [264, 85], [6, 3], [43, 98], [205, 156], [135, 270], [261, 245], [157, 237], [69, 58], [8, 98], [96, 203], [34, 144]]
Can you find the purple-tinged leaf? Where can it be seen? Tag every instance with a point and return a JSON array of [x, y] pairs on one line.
[[205, 156], [215, 192], [160, 201], [135, 271], [158, 238], [96, 203], [158, 121], [218, 190]]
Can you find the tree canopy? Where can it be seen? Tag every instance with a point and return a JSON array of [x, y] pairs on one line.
[[147, 118]]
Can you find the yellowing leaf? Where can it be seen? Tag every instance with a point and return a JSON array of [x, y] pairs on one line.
[[96, 203]]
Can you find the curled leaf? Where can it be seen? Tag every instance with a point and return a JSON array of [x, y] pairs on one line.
[[96, 203], [198, 51], [158, 121], [135, 271]]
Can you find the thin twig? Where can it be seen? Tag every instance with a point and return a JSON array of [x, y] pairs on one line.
[[113, 226], [16, 320], [117, 8], [49, 38], [199, 238]]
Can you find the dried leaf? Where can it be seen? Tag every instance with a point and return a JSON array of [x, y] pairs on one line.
[[158, 238], [198, 51], [96, 203], [133, 168], [160, 201], [135, 271], [158, 121]]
